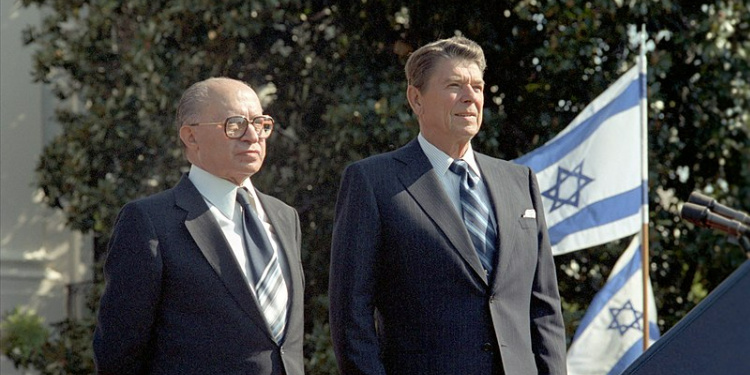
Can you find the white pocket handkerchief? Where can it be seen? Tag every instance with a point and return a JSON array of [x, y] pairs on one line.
[[529, 214]]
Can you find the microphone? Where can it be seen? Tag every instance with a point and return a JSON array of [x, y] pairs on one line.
[[713, 205], [703, 217]]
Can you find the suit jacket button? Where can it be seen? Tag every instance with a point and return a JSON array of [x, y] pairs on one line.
[[487, 347]]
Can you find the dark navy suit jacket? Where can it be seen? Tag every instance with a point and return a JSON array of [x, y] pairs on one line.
[[403, 261], [176, 301]]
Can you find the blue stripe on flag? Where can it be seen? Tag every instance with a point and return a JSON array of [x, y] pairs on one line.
[[552, 152], [593, 215], [610, 289], [634, 352]]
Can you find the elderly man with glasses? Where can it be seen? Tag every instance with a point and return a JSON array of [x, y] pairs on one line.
[[206, 277]]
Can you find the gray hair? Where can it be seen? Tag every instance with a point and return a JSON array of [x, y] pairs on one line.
[[422, 62]]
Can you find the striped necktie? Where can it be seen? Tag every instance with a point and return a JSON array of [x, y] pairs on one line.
[[265, 270], [476, 215]]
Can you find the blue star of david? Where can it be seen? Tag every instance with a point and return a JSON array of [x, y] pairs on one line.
[[623, 315], [567, 188]]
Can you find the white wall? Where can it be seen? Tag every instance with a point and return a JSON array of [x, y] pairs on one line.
[[38, 255]]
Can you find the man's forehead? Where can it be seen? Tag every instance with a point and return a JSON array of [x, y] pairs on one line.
[[464, 76], [464, 72]]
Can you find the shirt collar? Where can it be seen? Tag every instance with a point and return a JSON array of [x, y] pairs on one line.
[[219, 192], [441, 161]]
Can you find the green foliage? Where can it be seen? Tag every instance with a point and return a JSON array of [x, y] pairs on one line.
[[332, 76], [321, 359], [65, 349], [24, 334]]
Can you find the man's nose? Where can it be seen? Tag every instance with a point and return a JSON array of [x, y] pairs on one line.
[[250, 135], [469, 95]]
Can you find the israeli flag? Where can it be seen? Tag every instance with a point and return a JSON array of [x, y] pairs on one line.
[[610, 336], [590, 173]]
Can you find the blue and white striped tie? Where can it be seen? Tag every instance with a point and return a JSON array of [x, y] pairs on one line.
[[265, 271], [476, 214]]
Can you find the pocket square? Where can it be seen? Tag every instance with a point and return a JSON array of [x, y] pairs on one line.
[[529, 214]]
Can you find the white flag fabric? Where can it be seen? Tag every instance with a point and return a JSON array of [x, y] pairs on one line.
[[590, 173], [610, 336]]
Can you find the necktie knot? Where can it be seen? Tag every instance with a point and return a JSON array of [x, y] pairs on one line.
[[461, 168], [244, 199]]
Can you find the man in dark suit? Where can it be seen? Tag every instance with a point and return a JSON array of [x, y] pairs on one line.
[[206, 277], [440, 262]]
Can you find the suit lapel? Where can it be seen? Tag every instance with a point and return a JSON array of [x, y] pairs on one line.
[[210, 240], [425, 187], [497, 187]]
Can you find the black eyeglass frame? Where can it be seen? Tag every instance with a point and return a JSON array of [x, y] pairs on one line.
[[262, 128]]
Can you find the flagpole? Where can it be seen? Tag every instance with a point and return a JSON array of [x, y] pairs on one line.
[[645, 267]]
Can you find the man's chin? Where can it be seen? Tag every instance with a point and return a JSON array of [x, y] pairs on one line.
[[254, 168], [469, 131]]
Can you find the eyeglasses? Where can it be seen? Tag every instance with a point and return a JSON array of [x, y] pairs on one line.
[[236, 126]]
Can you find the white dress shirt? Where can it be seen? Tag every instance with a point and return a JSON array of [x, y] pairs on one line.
[[221, 197]]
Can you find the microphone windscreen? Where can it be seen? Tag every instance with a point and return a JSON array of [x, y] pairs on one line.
[[700, 199], [694, 213]]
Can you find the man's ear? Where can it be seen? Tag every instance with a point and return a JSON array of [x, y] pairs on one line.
[[415, 99], [187, 135]]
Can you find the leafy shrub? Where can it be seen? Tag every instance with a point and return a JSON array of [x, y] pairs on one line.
[[63, 348]]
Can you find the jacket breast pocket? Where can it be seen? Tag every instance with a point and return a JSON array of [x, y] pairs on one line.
[[528, 223]]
